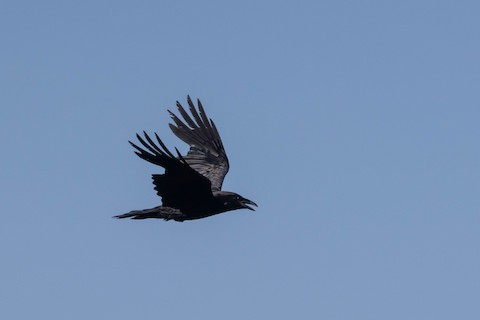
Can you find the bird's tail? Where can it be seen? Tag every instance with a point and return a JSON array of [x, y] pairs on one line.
[[160, 212]]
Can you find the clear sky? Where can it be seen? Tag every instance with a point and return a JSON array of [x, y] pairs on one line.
[[353, 124]]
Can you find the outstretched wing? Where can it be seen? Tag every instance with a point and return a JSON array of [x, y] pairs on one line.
[[180, 186], [206, 155]]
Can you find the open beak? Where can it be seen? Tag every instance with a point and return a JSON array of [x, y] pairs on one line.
[[245, 203]]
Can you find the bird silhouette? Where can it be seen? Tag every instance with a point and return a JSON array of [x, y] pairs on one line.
[[191, 185]]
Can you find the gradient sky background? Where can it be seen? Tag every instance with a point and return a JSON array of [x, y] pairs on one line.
[[353, 124]]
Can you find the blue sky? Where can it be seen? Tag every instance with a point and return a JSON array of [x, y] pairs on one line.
[[353, 125]]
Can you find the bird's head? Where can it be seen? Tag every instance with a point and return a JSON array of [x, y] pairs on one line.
[[233, 201]]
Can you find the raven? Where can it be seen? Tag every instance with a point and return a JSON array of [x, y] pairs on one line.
[[191, 185]]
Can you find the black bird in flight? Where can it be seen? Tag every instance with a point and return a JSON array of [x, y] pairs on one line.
[[191, 185]]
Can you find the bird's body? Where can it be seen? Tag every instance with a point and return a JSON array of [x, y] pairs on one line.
[[191, 185]]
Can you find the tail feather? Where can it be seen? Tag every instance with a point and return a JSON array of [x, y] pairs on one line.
[[160, 212]]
